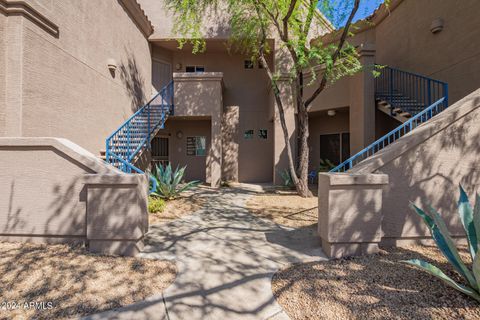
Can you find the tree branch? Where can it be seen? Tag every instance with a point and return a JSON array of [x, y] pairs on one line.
[[336, 54], [293, 3]]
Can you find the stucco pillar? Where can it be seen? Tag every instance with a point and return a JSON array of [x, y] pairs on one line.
[[280, 159], [362, 101], [214, 157], [230, 132], [350, 213], [13, 76]]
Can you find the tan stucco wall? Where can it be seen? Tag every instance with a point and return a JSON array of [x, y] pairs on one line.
[[177, 147], [249, 90], [426, 167], [324, 124], [404, 40], [61, 86], [55, 191], [3, 21]]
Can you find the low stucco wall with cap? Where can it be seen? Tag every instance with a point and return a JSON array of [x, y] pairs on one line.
[[53, 191]]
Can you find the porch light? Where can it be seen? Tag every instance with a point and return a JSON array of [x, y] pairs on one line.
[[179, 134], [112, 65], [331, 113], [437, 25]]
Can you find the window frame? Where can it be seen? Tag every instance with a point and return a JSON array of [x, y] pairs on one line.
[[195, 146], [195, 68], [340, 134]]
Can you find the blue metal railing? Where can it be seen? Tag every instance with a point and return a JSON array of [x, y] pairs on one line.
[[408, 91], [136, 133], [394, 135]]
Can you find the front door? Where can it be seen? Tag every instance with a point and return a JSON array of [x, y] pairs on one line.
[[160, 151]]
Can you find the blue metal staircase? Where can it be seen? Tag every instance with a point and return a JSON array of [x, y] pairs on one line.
[[126, 143], [410, 98]]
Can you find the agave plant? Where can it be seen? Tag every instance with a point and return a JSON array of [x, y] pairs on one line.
[[287, 178], [169, 184], [471, 222]]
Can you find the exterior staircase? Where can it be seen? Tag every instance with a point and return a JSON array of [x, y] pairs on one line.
[[127, 143], [410, 98]]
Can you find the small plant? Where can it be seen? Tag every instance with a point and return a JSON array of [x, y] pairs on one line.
[[169, 184], [471, 222], [287, 178], [325, 165], [156, 204]]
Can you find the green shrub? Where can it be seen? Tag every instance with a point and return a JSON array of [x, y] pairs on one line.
[[169, 184], [471, 222], [156, 205]]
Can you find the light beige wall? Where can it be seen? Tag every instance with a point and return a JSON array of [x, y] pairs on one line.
[[404, 41], [426, 167], [324, 124], [249, 90], [54, 191], [61, 85], [230, 141], [3, 22], [177, 147]]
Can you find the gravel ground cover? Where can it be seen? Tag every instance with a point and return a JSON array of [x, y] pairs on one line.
[[59, 282], [285, 207], [372, 287], [188, 203]]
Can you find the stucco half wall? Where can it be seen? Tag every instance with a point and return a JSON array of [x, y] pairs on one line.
[[424, 167], [53, 191]]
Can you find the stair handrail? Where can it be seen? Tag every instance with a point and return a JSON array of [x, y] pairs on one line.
[[125, 157], [417, 87], [132, 167], [411, 124]]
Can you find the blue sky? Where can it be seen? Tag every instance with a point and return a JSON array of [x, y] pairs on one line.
[[341, 9]]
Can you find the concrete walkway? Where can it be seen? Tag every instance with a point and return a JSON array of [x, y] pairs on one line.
[[225, 258]]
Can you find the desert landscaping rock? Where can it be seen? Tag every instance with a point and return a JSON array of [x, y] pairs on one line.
[[372, 287], [71, 283]]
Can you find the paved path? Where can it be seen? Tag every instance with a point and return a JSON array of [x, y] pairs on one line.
[[225, 258]]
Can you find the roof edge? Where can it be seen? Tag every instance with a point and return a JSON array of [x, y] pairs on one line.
[[138, 15], [382, 12]]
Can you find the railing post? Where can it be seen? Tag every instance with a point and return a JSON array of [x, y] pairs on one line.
[[429, 90], [445, 94], [391, 92], [128, 146], [148, 126]]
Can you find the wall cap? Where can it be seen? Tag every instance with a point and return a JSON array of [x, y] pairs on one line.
[[190, 76], [80, 156], [344, 179], [21, 7]]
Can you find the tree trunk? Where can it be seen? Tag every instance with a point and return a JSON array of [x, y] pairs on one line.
[[303, 154]]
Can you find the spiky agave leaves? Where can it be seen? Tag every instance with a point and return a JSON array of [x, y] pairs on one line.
[[169, 182], [471, 222]]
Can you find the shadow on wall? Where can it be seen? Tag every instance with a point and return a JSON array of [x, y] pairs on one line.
[[429, 174], [133, 81], [50, 203]]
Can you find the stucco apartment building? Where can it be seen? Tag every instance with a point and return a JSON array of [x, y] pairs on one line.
[[82, 70]]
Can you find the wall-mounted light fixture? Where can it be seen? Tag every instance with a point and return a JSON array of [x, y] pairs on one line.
[[179, 134], [178, 66], [437, 25], [112, 66], [331, 113]]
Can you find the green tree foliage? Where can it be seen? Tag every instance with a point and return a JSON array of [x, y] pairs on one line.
[[292, 24]]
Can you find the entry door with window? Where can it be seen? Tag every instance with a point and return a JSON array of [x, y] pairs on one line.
[[161, 74], [160, 151], [335, 147]]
